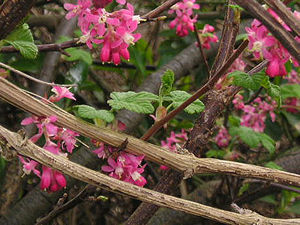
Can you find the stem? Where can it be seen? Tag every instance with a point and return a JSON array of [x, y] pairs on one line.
[[32, 78], [159, 9], [46, 47], [198, 38]]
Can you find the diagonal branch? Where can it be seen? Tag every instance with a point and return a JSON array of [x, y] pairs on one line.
[[60, 163], [185, 163], [285, 14]]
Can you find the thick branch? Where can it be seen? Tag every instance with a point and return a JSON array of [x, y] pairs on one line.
[[184, 163], [60, 163], [11, 14]]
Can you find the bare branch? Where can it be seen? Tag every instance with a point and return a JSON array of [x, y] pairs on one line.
[[62, 164], [185, 163]]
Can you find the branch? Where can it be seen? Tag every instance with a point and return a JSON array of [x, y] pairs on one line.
[[185, 163], [12, 13], [286, 38], [229, 34], [60, 163], [285, 14], [159, 9], [33, 78], [46, 47]]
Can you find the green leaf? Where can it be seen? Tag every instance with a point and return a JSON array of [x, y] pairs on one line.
[[252, 138], [178, 97], [79, 54], [273, 165], [167, 81], [290, 90], [89, 112], [246, 134], [252, 82], [274, 92], [269, 199], [22, 39], [215, 153], [140, 102], [267, 142], [295, 208], [234, 121], [244, 188]]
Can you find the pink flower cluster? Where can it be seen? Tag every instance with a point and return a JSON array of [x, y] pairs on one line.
[[59, 141], [184, 20], [172, 141], [121, 165], [208, 36], [255, 114], [113, 30], [263, 45], [222, 139]]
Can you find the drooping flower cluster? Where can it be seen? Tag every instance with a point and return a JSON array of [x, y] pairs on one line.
[[222, 139], [263, 45], [171, 142], [255, 114], [121, 165], [59, 141], [184, 20], [113, 30], [208, 36]]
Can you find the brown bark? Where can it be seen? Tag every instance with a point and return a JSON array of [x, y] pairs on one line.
[[12, 12]]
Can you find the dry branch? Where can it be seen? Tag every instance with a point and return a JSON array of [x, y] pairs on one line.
[[185, 163], [61, 163]]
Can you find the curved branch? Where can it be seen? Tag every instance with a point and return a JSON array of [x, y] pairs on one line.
[[60, 163]]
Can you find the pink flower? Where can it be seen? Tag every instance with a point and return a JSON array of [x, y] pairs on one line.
[[183, 21], [255, 114], [170, 143], [61, 92], [52, 180], [77, 10], [29, 165], [126, 167], [208, 36], [223, 138]]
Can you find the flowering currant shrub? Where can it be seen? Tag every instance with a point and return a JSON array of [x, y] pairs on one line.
[[57, 140], [114, 31]]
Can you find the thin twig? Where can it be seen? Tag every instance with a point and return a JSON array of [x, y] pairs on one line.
[[46, 47], [32, 78], [62, 208], [198, 38], [159, 9]]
